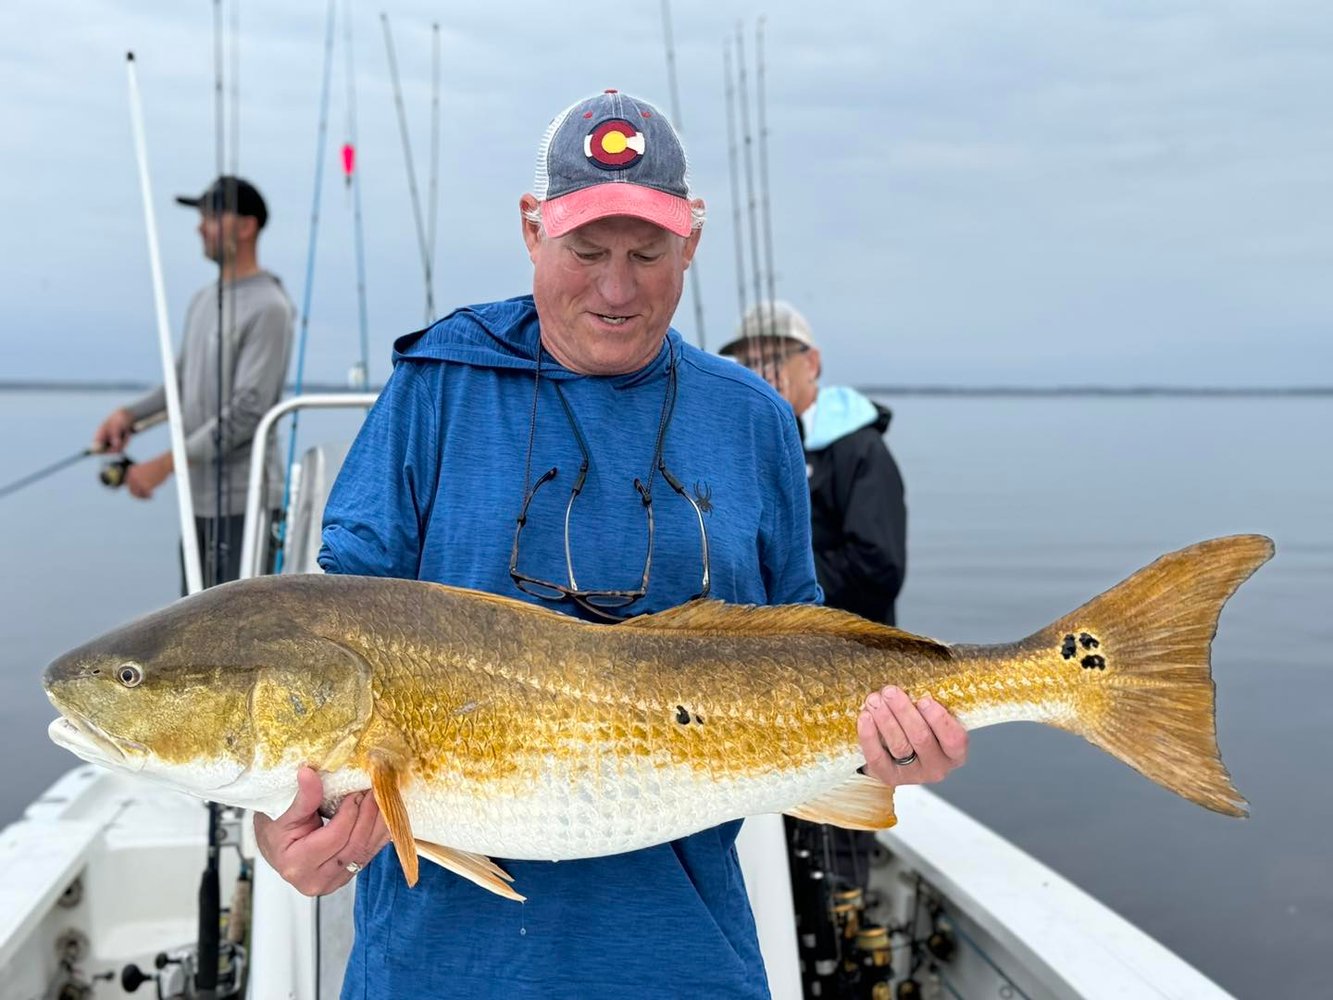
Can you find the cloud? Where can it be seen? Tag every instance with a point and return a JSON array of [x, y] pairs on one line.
[[958, 191]]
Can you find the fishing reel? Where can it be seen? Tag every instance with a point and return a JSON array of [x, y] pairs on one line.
[[177, 970], [112, 473]]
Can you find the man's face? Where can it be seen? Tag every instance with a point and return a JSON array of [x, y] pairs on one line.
[[788, 366], [606, 292], [221, 230]]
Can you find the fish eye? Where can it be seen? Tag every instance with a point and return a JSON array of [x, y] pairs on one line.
[[129, 675]]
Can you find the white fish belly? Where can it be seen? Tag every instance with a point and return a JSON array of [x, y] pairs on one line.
[[620, 805]]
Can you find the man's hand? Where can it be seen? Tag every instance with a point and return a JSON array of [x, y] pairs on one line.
[[313, 855], [890, 726], [114, 432], [142, 478]]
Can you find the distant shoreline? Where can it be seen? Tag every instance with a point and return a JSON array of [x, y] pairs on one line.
[[1220, 391]]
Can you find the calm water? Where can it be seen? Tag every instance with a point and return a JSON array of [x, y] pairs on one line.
[[1020, 510]]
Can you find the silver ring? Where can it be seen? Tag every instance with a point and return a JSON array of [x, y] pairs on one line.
[[352, 867], [904, 761]]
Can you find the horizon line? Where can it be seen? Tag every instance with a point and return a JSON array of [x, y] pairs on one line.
[[923, 389]]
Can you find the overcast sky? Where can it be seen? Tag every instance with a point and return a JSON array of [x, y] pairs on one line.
[[966, 192]]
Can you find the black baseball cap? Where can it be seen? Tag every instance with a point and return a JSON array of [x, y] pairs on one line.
[[230, 194]]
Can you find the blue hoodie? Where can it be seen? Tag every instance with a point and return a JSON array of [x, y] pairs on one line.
[[430, 490]]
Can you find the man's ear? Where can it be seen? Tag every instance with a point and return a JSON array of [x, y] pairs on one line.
[[532, 232], [692, 241], [247, 228]]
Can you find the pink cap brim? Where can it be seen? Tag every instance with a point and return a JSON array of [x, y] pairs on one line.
[[569, 211]]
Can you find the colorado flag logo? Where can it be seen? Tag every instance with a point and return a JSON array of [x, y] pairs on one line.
[[614, 144]]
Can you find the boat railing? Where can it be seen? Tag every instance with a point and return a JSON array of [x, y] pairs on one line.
[[256, 515]]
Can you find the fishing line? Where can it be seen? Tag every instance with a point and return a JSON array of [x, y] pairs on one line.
[[321, 138], [411, 169], [667, 35]]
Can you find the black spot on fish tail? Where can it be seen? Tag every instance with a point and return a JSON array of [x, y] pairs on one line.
[[1069, 649], [1094, 661], [698, 718], [1088, 641], [682, 715]]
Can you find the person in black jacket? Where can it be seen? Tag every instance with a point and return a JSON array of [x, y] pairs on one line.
[[857, 510], [858, 520]]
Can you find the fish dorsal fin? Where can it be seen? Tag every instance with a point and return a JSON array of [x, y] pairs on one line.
[[384, 779], [474, 867], [782, 619], [859, 803]]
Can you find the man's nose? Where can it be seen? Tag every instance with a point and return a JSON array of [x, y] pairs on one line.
[[616, 283]]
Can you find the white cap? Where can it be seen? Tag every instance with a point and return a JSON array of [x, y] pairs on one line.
[[776, 319]]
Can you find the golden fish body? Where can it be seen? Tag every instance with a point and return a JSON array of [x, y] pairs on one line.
[[487, 726]]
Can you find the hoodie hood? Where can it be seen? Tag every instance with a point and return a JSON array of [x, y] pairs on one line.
[[507, 334], [837, 412]]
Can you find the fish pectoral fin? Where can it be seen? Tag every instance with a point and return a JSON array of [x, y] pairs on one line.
[[860, 803], [474, 867], [384, 779]]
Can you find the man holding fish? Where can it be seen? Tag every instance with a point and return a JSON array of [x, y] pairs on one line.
[[568, 448]]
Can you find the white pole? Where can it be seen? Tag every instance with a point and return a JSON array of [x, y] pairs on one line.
[[189, 538]]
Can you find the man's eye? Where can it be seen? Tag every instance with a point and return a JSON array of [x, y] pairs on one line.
[[587, 255]]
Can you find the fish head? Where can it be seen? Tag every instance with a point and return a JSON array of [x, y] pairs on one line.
[[222, 695]]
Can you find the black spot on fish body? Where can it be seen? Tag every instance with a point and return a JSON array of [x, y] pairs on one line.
[[682, 715], [699, 718], [1088, 641], [1069, 649], [1093, 662]]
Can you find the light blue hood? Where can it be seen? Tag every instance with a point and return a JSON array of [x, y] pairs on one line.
[[838, 411]]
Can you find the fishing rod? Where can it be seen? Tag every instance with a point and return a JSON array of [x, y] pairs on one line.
[[736, 230], [667, 35], [107, 476], [320, 142], [352, 179], [433, 199], [762, 105], [411, 169], [747, 143], [170, 389], [208, 937]]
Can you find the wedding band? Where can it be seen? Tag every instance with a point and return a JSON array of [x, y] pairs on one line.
[[352, 867], [902, 761]]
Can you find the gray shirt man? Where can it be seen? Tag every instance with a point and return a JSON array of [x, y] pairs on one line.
[[257, 320]]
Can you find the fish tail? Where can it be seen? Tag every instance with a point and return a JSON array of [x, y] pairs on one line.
[[1148, 639]]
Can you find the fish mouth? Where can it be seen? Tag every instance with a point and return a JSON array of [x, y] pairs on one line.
[[83, 739]]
